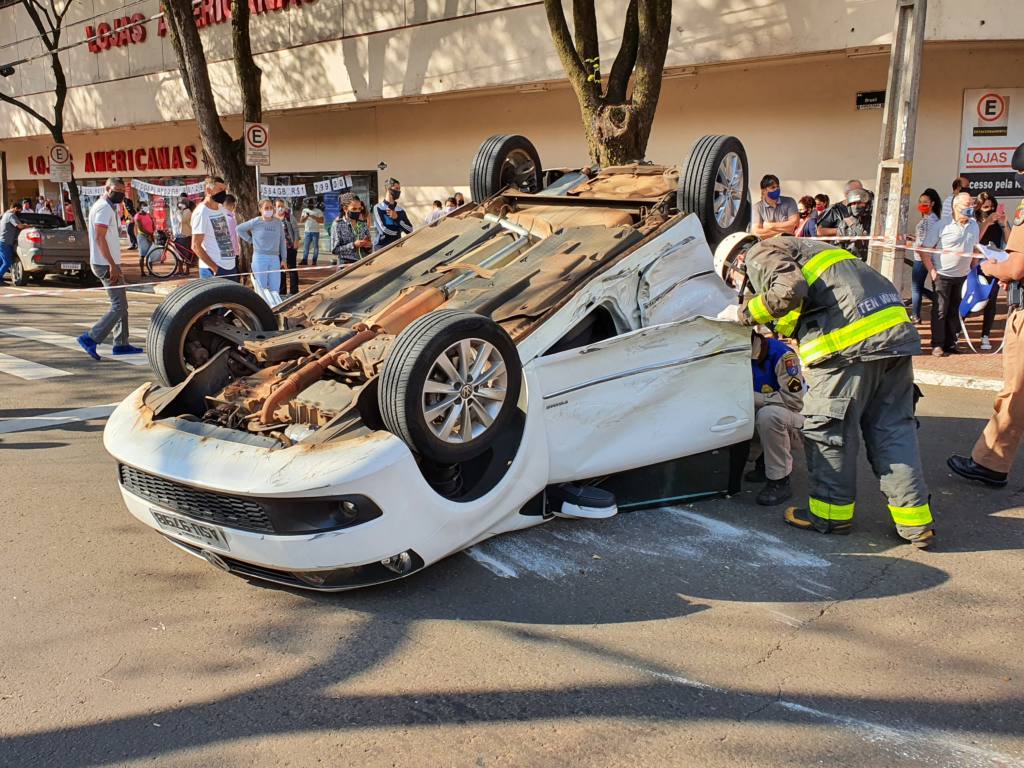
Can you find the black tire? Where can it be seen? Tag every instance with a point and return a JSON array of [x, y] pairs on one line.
[[18, 274], [177, 323], [411, 361], [494, 167], [37, 277], [696, 193]]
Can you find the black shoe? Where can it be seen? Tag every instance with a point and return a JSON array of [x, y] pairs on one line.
[[774, 492], [968, 468], [757, 475]]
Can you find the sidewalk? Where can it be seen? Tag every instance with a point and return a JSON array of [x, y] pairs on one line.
[[966, 370]]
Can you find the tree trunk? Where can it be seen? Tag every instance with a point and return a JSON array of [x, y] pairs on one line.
[[615, 134]]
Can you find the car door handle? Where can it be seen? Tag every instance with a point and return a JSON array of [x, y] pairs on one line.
[[729, 427]]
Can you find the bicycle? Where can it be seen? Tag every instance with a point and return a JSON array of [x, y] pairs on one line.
[[166, 257]]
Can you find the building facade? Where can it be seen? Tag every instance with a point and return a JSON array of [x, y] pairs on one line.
[[353, 85]]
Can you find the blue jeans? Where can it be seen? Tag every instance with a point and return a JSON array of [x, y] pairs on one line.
[[314, 238], [917, 289], [6, 259], [230, 274]]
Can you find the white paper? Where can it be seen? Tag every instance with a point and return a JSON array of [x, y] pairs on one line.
[[992, 254]]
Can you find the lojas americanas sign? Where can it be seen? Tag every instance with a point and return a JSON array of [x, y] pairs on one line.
[[131, 30]]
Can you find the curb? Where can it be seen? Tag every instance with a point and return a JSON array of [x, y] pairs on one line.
[[936, 379]]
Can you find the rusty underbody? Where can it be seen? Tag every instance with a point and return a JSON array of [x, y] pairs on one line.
[[515, 259]]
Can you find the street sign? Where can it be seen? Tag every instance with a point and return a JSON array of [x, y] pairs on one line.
[[60, 163], [257, 144]]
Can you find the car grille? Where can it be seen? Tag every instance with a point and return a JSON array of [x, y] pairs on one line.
[[232, 511]]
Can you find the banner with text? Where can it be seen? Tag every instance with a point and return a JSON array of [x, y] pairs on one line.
[[992, 128]]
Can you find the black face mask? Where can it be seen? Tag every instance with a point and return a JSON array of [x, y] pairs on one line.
[[395, 194], [354, 215], [116, 197], [220, 197]]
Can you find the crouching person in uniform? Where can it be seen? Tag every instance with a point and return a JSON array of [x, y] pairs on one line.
[[778, 400], [856, 342]]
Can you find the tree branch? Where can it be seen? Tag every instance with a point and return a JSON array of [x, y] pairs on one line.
[[250, 76], [584, 22], [654, 24], [587, 92], [26, 108], [625, 60]]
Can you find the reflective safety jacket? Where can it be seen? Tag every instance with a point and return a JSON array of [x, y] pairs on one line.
[[837, 307]]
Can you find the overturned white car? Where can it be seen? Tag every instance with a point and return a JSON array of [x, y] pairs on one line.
[[544, 351]]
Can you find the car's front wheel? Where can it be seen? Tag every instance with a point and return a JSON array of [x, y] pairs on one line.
[[450, 384], [504, 161], [177, 342], [714, 185]]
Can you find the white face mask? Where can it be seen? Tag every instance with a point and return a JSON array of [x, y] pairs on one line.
[[280, 210], [267, 214]]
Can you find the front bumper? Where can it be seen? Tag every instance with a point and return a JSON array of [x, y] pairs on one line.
[[379, 467]]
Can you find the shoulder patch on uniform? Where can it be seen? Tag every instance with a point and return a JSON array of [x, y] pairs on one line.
[[792, 363], [795, 385], [1019, 218]]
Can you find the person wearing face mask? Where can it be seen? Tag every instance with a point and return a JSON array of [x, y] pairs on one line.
[[183, 219], [993, 232], [774, 214], [926, 236], [997, 447], [269, 248], [291, 235], [857, 224], [960, 184], [350, 238], [808, 226], [948, 270], [105, 260], [145, 229], [211, 233], [389, 218]]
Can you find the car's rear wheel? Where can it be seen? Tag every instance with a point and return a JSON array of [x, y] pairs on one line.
[[37, 277], [177, 344], [450, 384], [502, 161], [714, 185], [18, 274]]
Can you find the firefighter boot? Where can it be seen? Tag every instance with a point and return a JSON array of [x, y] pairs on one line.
[[774, 492], [801, 517], [920, 536]]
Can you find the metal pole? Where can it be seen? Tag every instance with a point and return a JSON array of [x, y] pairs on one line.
[[896, 151]]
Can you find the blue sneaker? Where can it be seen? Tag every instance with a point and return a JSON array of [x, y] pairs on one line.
[[85, 342], [127, 349]]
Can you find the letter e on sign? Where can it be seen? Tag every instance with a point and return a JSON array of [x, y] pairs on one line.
[[991, 108], [257, 144]]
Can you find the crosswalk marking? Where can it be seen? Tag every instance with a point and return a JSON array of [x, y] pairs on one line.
[[26, 369], [43, 420], [69, 342]]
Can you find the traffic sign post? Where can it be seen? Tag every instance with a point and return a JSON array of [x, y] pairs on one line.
[[60, 163], [257, 144]]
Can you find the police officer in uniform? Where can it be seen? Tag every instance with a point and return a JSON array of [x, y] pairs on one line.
[[995, 450], [856, 342]]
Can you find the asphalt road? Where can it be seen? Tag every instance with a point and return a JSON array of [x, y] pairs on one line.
[[705, 635]]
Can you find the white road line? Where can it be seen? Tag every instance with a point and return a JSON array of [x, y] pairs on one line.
[[27, 370], [69, 342], [25, 423]]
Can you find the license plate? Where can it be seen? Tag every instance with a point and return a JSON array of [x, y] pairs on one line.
[[210, 535], [70, 266]]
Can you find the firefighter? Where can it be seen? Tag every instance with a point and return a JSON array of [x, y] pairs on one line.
[[855, 342], [996, 448]]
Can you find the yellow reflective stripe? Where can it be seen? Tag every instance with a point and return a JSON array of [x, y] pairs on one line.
[[921, 515], [814, 268], [759, 311], [828, 511], [852, 333], [786, 324]]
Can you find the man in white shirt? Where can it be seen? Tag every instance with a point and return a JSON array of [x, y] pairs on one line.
[[211, 233], [435, 215], [948, 271], [105, 260], [312, 219], [960, 184]]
